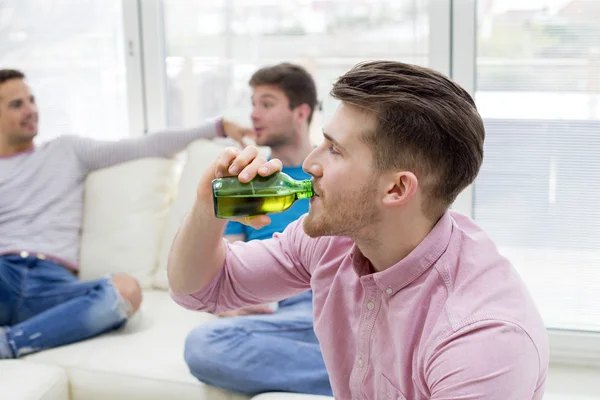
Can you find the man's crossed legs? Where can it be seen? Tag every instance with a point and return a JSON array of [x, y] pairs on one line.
[[261, 353], [43, 305]]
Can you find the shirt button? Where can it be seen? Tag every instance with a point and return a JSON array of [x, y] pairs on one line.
[[24, 254], [360, 363], [389, 290], [370, 305]]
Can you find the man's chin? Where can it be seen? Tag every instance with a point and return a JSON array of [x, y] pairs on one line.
[[313, 228], [260, 141], [23, 138], [28, 134]]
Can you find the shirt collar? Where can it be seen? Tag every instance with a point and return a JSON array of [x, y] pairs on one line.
[[412, 266], [31, 150]]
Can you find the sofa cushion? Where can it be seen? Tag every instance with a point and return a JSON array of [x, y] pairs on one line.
[[125, 210], [25, 381], [144, 360], [197, 158]]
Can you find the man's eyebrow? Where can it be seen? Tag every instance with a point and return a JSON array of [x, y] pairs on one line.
[[332, 140], [264, 96]]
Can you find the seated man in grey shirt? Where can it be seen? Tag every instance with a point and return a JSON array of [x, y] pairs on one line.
[[42, 303]]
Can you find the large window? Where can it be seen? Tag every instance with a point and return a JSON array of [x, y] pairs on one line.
[[538, 194], [537, 85], [214, 47], [72, 53]]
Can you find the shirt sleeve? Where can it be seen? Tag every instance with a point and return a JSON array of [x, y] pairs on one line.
[[492, 360], [257, 272], [234, 228], [95, 154]]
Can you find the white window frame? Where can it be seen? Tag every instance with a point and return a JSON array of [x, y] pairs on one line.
[[145, 63], [134, 64], [440, 36], [155, 74], [566, 346], [463, 57], [453, 47]]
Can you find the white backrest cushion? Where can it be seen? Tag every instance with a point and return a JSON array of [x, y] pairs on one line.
[[125, 210], [199, 155]]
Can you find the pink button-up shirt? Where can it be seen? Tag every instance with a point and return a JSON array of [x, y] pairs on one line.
[[452, 320]]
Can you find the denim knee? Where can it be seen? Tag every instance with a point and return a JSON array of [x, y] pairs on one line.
[[199, 348], [108, 309], [212, 349]]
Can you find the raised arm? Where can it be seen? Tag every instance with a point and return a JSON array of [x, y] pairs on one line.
[[206, 272], [95, 154]]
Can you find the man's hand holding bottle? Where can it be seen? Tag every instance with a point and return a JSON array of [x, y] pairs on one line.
[[246, 164]]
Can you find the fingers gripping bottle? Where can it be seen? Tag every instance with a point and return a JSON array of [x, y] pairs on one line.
[[262, 195]]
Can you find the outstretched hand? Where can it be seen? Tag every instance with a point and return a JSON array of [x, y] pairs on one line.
[[238, 133]]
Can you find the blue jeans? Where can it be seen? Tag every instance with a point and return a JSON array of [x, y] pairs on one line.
[[43, 305], [261, 353]]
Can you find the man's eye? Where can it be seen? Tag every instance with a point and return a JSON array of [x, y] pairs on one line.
[[333, 151]]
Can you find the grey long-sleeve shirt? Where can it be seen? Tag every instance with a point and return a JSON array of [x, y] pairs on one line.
[[41, 191]]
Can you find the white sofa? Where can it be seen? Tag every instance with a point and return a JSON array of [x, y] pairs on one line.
[[132, 212]]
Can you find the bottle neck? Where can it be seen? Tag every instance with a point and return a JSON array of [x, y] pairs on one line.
[[306, 190]]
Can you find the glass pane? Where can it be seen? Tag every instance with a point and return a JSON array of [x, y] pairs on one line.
[[538, 194], [72, 53], [214, 47]]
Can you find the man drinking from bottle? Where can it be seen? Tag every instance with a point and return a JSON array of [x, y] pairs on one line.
[[411, 300]]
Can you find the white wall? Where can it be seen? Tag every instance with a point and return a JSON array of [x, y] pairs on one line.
[[569, 382]]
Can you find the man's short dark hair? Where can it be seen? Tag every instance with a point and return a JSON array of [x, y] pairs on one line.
[[425, 123], [297, 84], [10, 74]]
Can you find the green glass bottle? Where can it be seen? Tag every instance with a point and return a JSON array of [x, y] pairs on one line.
[[262, 195]]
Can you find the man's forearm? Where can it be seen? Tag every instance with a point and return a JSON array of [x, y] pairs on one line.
[[198, 251], [96, 154]]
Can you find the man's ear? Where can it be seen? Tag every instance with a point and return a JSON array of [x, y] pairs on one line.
[[302, 112], [401, 188]]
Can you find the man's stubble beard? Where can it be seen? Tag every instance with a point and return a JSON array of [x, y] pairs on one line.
[[348, 214]]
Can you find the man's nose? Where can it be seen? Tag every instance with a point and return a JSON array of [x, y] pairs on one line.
[[31, 109], [311, 165]]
